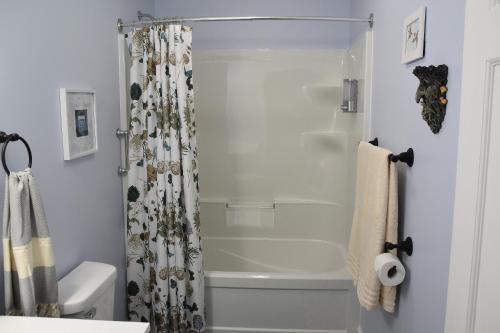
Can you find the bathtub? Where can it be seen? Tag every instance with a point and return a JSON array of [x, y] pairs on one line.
[[260, 284]]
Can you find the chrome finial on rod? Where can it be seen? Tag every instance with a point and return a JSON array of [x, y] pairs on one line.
[[119, 24]]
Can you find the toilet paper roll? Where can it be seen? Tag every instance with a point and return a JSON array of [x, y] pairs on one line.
[[390, 270]]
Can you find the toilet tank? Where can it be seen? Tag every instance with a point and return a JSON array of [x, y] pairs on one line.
[[87, 292]]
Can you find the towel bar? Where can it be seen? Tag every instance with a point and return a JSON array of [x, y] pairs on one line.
[[405, 246], [405, 157]]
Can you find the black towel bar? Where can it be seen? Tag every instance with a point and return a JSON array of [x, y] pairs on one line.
[[405, 157], [374, 142]]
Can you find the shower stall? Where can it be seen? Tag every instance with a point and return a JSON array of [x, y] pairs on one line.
[[277, 174], [277, 162]]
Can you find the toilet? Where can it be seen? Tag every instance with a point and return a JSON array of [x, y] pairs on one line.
[[88, 291]]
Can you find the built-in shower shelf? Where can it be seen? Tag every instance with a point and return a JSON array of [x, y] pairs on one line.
[[324, 94], [332, 134], [300, 201], [270, 204]]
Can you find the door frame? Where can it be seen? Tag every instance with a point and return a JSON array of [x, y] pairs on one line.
[[471, 179]]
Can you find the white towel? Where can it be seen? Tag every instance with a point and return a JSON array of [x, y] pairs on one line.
[[29, 271], [375, 221]]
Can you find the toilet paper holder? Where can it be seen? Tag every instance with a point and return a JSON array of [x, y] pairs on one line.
[[405, 246]]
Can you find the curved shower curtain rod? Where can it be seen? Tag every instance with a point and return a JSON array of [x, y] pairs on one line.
[[120, 24]]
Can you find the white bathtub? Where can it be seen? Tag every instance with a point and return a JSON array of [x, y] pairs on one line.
[[257, 284]]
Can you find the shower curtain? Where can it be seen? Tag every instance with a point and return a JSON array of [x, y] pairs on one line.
[[165, 282]]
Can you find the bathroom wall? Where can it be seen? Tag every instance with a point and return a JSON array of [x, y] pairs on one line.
[[247, 35], [73, 44], [427, 189]]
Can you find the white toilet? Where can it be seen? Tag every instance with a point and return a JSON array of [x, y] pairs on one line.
[[88, 292]]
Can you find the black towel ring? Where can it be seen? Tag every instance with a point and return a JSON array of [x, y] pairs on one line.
[[14, 137]]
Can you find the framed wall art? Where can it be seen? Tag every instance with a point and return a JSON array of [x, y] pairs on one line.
[[78, 122], [414, 36]]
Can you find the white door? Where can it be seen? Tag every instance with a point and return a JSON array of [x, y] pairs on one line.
[[474, 280]]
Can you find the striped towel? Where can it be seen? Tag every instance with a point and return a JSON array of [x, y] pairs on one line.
[[30, 274]]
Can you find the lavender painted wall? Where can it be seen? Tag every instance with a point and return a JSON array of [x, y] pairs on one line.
[[427, 189], [61, 43], [262, 34]]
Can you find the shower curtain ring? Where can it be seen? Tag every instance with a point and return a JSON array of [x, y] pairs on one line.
[[176, 20], [119, 24]]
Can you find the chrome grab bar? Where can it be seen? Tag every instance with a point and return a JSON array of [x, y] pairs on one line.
[[123, 170]]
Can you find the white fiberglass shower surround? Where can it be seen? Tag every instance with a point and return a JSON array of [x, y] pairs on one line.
[[277, 160]]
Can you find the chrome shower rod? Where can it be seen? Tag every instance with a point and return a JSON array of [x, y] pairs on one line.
[[168, 20]]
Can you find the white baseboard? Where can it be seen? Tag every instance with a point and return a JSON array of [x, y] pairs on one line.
[[220, 329]]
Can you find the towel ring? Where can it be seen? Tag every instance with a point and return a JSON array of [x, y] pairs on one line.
[[14, 137]]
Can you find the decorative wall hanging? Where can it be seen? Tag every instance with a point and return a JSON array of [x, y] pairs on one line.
[[78, 121], [414, 36], [431, 93]]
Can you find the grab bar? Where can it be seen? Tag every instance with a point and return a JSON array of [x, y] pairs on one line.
[[123, 170]]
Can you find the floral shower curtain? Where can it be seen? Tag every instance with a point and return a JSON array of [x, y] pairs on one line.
[[165, 280]]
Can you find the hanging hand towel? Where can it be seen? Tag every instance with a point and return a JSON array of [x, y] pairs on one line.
[[374, 223], [29, 271]]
